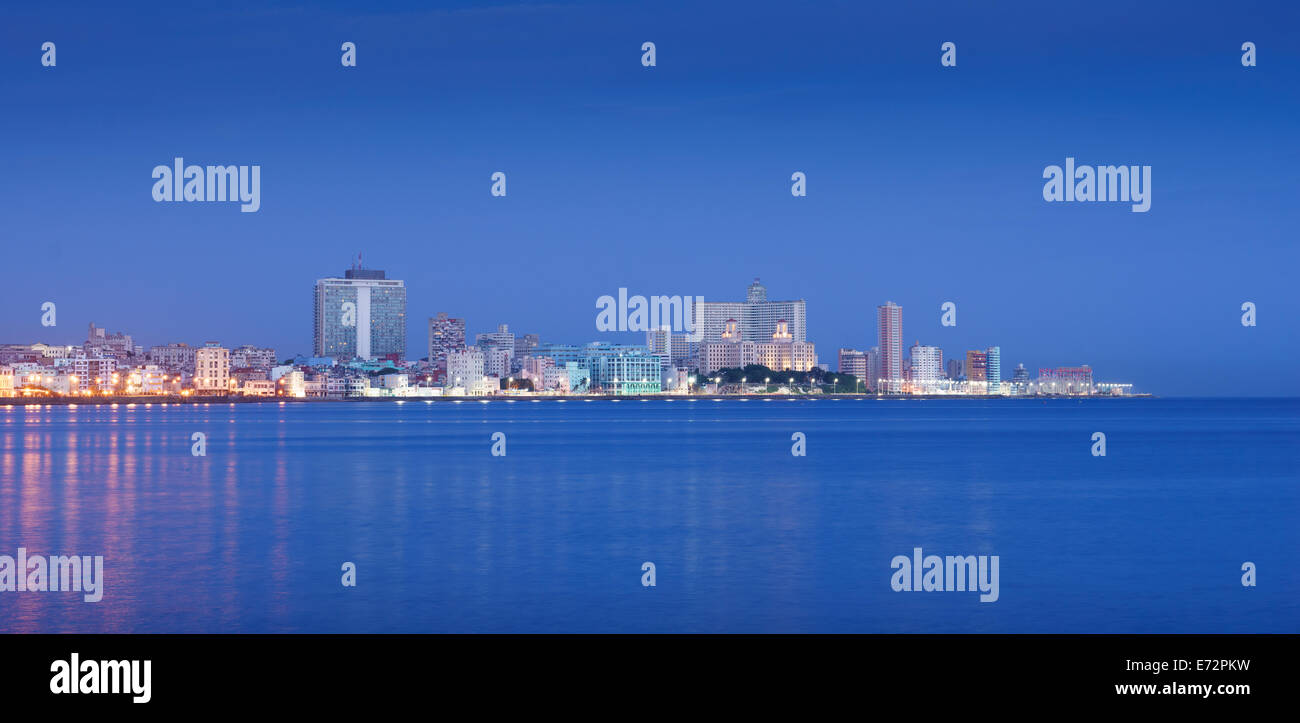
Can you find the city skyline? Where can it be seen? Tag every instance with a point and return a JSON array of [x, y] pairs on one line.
[[349, 298], [358, 318], [924, 183]]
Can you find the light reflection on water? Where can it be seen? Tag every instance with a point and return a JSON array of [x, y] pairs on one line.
[[745, 537]]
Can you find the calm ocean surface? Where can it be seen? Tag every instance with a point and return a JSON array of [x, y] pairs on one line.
[[745, 537]]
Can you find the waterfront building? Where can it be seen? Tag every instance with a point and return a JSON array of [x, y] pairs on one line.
[[873, 368], [889, 323], [212, 369], [257, 388], [631, 373], [1065, 380], [292, 384], [993, 369], [611, 368], [927, 366], [852, 361], [955, 369], [93, 373], [977, 365], [1020, 375], [146, 379], [780, 353], [465, 369], [757, 317], [362, 315]]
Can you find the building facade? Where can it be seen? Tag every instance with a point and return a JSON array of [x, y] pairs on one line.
[[445, 334], [927, 365], [212, 369], [977, 366], [757, 317], [252, 357], [889, 323], [993, 369], [362, 315]]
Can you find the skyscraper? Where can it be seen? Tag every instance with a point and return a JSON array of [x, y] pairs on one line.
[[361, 315], [445, 334], [890, 327], [927, 365], [756, 316], [976, 365], [993, 368]]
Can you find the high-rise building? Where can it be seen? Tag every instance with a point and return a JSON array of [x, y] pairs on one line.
[[852, 361], [756, 316], [976, 365], [956, 369], [927, 365], [498, 350], [890, 326], [873, 368], [212, 369], [445, 334], [993, 368], [362, 315]]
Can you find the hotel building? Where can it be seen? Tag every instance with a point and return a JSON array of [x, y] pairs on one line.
[[756, 315], [780, 353], [374, 326]]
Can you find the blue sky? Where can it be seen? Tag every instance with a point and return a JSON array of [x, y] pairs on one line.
[[924, 183]]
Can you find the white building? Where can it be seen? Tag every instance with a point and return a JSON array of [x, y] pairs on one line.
[[927, 365], [251, 357], [464, 366], [758, 317], [212, 369]]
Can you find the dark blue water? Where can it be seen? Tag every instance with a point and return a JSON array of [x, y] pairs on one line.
[[744, 536]]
